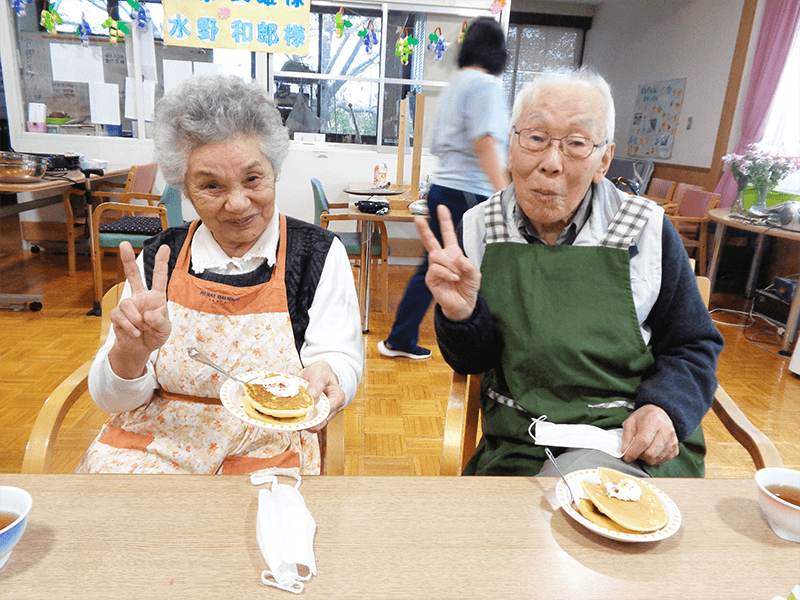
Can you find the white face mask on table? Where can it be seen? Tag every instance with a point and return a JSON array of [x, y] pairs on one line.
[[285, 531]]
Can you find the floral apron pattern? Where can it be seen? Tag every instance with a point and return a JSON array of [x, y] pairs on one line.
[[184, 428]]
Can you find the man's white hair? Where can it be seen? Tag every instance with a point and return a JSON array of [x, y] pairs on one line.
[[584, 76]]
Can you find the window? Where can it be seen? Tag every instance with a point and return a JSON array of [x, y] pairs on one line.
[[540, 44], [343, 89], [349, 91], [782, 132]]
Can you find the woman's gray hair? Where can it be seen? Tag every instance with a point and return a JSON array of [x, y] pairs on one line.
[[204, 110], [584, 75]]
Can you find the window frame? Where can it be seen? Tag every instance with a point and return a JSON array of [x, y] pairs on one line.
[[262, 71]]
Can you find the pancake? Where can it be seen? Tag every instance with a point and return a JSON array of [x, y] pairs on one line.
[[277, 397], [590, 512], [643, 515]]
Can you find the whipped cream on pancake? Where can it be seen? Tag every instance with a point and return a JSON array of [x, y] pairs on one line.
[[281, 386], [625, 489]]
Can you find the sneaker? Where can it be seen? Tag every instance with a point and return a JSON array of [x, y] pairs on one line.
[[417, 353]]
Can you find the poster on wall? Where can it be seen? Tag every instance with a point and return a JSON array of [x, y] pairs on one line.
[[254, 25], [655, 119]]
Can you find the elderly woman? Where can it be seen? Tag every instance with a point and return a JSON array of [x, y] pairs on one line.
[[251, 288]]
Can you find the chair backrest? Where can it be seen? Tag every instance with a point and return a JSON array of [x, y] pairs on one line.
[[697, 203], [171, 199], [320, 200], [142, 178], [463, 418], [661, 188]]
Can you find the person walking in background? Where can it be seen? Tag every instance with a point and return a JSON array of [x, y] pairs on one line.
[[470, 138]]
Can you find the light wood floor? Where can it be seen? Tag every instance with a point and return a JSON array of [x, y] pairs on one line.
[[395, 424]]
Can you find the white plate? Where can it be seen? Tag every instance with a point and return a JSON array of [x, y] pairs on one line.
[[575, 478], [231, 396]]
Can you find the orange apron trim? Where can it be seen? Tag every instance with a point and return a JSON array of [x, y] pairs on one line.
[[216, 298], [242, 465], [162, 393], [117, 437]]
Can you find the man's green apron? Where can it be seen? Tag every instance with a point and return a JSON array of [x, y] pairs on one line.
[[573, 349]]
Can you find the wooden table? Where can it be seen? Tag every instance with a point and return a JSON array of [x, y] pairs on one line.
[[184, 536], [723, 218], [398, 213], [46, 192]]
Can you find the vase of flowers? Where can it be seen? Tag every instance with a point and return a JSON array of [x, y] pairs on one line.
[[760, 169]]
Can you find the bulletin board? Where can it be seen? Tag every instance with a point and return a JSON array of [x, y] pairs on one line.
[[655, 119], [258, 26]]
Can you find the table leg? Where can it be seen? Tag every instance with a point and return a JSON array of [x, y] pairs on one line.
[[755, 265], [719, 239], [791, 326], [367, 231]]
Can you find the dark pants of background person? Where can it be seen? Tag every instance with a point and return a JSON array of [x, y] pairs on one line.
[[417, 298]]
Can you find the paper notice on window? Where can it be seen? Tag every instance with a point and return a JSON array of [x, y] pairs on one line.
[[104, 103], [175, 72], [208, 69], [74, 62], [149, 99]]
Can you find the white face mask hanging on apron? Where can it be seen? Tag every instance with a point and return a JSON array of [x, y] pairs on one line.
[[285, 531]]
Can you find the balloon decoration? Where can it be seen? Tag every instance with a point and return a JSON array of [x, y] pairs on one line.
[[405, 46], [437, 44], [341, 23], [497, 6], [19, 6], [50, 18], [83, 31], [116, 30], [463, 33], [368, 33]]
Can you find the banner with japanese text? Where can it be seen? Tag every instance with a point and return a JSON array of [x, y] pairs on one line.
[[255, 25]]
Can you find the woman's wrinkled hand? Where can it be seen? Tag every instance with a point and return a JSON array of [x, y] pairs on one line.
[[322, 379], [452, 278], [141, 323]]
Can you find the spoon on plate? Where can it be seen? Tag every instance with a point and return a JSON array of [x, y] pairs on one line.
[[202, 358], [555, 464]]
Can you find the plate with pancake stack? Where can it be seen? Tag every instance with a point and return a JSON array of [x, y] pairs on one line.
[[274, 401], [619, 506]]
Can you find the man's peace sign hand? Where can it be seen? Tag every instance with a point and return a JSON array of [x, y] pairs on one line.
[[141, 322], [452, 278]]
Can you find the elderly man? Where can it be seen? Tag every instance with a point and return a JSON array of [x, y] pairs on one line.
[[576, 302]]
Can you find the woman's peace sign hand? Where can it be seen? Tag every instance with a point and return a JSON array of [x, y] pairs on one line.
[[141, 322], [452, 278]]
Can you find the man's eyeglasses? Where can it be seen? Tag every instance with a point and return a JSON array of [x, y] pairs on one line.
[[573, 146]]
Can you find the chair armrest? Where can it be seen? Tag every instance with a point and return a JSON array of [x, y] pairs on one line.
[[760, 447], [152, 199], [454, 426], [332, 446], [338, 204], [330, 217], [130, 208], [55, 408], [679, 219]]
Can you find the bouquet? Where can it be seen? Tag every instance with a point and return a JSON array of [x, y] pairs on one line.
[[759, 168]]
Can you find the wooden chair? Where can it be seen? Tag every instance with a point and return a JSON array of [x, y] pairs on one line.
[[39, 451], [140, 179], [661, 190], [680, 189], [352, 240], [691, 219], [132, 226], [463, 408]]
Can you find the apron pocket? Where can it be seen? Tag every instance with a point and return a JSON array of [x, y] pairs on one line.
[[117, 437]]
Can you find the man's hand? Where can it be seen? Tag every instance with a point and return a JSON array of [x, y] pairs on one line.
[[141, 322], [321, 378], [649, 435], [452, 278]]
